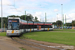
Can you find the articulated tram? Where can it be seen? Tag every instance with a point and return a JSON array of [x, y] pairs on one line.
[[17, 26]]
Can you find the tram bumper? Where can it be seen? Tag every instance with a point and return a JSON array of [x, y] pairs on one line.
[[13, 34]]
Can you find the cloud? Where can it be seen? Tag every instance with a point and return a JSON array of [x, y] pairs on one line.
[[56, 10], [6, 2], [52, 1], [38, 15], [58, 1], [72, 16]]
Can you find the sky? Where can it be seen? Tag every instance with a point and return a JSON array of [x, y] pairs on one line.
[[38, 8]]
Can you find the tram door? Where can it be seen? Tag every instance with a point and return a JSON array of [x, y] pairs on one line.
[[38, 27]]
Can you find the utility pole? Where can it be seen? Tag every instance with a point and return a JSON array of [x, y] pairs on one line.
[[45, 17], [25, 15], [65, 20], [1, 15], [62, 15]]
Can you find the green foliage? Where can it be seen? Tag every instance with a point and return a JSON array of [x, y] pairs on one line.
[[22, 48], [54, 23], [28, 17], [36, 19], [0, 25], [4, 21], [66, 36], [68, 24], [23, 17], [59, 23], [73, 22], [13, 16]]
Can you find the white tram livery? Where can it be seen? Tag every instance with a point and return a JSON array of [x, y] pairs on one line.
[[17, 26]]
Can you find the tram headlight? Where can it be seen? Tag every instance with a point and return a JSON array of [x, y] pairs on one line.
[[8, 31]]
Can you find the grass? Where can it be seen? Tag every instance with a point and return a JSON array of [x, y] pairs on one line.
[[66, 36], [22, 48], [2, 33]]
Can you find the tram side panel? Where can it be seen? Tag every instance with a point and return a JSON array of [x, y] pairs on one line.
[[30, 28], [50, 28]]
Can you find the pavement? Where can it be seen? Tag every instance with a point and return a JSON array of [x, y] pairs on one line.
[[5, 44]]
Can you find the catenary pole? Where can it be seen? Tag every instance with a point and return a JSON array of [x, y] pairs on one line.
[[62, 15], [1, 15], [45, 17], [65, 20], [25, 15]]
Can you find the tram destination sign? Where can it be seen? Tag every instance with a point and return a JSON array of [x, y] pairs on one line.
[[13, 21]]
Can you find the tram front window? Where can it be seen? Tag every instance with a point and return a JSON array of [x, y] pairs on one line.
[[13, 24]]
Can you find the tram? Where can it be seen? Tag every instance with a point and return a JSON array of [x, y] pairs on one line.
[[17, 26]]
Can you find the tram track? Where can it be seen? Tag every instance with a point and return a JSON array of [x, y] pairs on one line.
[[35, 45], [28, 44]]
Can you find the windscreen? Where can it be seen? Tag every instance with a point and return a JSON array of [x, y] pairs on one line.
[[13, 24]]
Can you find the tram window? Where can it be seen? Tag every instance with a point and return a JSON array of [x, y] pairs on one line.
[[45, 26], [35, 26], [42, 26], [50, 26], [29, 26], [23, 26], [26, 26], [20, 26]]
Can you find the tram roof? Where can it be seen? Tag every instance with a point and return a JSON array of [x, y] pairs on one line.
[[35, 22], [21, 20]]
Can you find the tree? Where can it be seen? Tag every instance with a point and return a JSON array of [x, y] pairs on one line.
[[73, 22], [12, 16], [36, 19], [5, 20], [54, 23], [23, 17], [59, 23], [28, 17], [68, 24]]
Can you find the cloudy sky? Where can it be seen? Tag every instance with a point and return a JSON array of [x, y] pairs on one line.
[[38, 8]]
